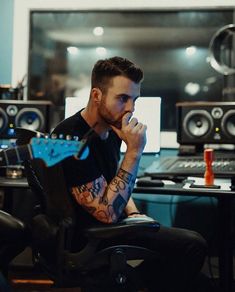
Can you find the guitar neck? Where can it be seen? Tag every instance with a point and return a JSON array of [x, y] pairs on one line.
[[51, 151], [16, 155]]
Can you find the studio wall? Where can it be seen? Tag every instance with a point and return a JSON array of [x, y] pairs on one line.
[[6, 36]]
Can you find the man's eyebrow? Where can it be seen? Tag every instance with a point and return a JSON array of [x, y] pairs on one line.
[[123, 94], [126, 95]]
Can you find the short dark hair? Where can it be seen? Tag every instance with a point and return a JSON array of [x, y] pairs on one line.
[[105, 70]]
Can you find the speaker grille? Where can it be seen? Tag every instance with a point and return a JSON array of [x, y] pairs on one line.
[[30, 118], [198, 123], [3, 120], [228, 123]]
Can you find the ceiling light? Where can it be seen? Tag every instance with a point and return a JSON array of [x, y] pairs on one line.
[[191, 50], [98, 31], [192, 88], [101, 51], [73, 50]]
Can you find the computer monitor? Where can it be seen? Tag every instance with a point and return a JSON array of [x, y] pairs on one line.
[[147, 111], [73, 105]]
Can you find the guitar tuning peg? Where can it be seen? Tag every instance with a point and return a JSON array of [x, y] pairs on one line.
[[68, 137], [38, 135], [46, 136], [76, 138], [61, 136], [53, 136]]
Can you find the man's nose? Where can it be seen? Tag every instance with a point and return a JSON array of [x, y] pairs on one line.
[[130, 106]]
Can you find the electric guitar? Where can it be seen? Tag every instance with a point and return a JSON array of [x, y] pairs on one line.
[[51, 151]]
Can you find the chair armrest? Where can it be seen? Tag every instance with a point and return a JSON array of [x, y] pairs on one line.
[[11, 228], [128, 227], [43, 228]]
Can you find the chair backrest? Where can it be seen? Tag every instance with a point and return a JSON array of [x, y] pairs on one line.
[[47, 183], [52, 226]]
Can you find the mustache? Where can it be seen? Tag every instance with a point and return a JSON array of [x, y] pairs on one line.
[[118, 122]]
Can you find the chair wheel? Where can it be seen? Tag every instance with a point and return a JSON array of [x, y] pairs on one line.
[[121, 279]]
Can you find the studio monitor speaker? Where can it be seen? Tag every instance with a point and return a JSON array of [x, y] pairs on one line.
[[205, 123], [32, 115]]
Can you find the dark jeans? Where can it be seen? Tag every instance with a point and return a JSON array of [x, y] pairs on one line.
[[181, 254]]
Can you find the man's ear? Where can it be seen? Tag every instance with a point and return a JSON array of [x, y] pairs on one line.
[[96, 94]]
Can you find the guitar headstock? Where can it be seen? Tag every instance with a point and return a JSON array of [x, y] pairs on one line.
[[52, 151]]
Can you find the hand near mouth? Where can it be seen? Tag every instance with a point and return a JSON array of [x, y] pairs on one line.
[[132, 132]]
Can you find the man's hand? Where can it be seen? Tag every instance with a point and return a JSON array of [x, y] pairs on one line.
[[132, 133], [136, 215]]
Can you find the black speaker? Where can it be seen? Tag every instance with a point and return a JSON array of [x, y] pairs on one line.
[[205, 123], [32, 115]]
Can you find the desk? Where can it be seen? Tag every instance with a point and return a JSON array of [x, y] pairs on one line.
[[225, 199]]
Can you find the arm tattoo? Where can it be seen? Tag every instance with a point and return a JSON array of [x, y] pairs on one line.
[[111, 212], [117, 185], [104, 199], [95, 199], [93, 188], [118, 205], [86, 193], [102, 216], [124, 175], [90, 210]]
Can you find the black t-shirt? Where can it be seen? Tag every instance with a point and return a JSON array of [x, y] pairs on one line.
[[103, 158]]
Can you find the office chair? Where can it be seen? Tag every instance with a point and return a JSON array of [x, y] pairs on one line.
[[54, 227], [14, 237]]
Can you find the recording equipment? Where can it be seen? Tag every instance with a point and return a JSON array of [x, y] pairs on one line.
[[221, 50], [202, 123], [7, 92], [32, 115], [172, 167]]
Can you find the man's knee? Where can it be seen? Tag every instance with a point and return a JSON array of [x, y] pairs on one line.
[[196, 245]]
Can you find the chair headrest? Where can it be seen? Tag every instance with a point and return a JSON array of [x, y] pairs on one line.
[[23, 135]]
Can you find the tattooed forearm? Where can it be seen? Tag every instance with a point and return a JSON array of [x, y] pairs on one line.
[[104, 199], [90, 210], [105, 202], [86, 194], [93, 188], [117, 185], [118, 205], [121, 181], [102, 216], [124, 175]]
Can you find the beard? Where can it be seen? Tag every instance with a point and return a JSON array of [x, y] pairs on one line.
[[108, 118]]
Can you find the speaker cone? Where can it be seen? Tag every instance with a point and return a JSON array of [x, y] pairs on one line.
[[228, 123], [3, 120], [30, 118], [198, 123]]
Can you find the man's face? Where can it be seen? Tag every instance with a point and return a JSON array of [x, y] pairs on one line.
[[118, 100]]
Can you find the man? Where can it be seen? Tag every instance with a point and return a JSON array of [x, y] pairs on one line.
[[102, 190]]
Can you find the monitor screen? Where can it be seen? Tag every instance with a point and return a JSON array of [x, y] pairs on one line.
[[73, 105], [147, 111]]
